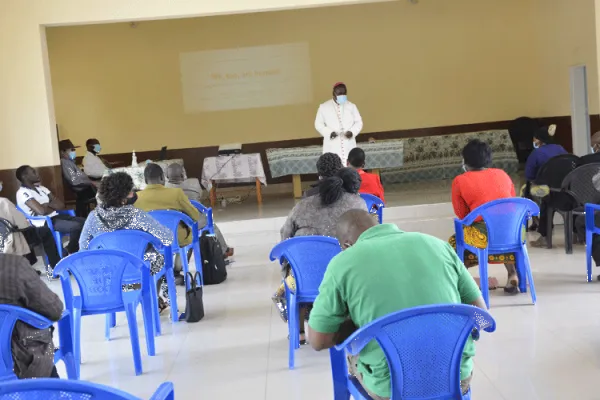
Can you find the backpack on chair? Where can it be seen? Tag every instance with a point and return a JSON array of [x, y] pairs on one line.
[[214, 269]]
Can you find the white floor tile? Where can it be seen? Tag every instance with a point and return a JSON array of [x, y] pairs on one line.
[[240, 350]]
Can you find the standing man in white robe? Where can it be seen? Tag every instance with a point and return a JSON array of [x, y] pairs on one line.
[[338, 121]]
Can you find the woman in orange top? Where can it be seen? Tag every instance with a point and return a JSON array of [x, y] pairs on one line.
[[476, 186], [371, 184]]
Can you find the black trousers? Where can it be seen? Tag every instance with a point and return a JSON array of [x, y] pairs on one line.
[[49, 245], [85, 197], [71, 226], [543, 226]]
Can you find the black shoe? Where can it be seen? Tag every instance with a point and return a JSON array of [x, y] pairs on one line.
[[179, 281]]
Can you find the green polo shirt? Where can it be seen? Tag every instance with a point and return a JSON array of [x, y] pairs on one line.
[[388, 270]]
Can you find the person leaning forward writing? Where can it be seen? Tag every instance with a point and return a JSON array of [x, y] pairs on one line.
[[382, 270]]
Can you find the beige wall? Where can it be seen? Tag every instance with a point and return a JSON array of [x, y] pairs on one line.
[[565, 33], [26, 113], [437, 63]]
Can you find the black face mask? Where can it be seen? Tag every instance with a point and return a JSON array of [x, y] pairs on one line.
[[131, 200]]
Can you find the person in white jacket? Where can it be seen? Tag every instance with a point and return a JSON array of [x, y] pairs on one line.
[[338, 121]]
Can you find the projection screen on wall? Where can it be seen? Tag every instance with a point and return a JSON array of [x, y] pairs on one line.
[[248, 77]]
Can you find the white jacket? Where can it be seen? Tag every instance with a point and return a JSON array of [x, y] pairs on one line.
[[332, 117]]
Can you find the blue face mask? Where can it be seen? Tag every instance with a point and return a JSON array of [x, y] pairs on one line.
[[535, 145], [72, 155], [592, 149], [341, 99], [97, 148]]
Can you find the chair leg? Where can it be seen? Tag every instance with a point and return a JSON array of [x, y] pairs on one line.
[[549, 227], [65, 339], [58, 241], [111, 322], [198, 261], [185, 264], [134, 336], [77, 337], [292, 328], [170, 277], [568, 219], [339, 371], [149, 307], [154, 313], [588, 253], [525, 256], [483, 276]]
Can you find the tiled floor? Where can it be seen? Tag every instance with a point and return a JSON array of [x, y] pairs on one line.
[[547, 351]]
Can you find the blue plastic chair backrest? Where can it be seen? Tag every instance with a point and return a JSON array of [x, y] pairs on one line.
[[99, 274], [50, 389], [504, 219], [172, 219], [131, 241], [308, 257], [372, 201], [9, 315], [423, 347]]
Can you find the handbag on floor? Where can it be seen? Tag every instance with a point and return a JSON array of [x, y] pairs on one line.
[[214, 268], [194, 305]]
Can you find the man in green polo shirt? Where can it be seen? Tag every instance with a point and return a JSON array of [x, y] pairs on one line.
[[380, 271]]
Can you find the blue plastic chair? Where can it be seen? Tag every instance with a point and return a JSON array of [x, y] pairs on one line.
[[100, 275], [9, 315], [423, 347], [58, 237], [308, 257], [374, 205], [45, 389], [136, 243], [590, 230], [208, 211], [171, 219], [505, 220]]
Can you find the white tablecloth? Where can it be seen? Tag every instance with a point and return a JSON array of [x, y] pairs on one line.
[[237, 168], [137, 173]]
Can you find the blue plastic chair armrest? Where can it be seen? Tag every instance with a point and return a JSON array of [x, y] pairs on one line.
[[164, 392], [34, 319], [67, 212]]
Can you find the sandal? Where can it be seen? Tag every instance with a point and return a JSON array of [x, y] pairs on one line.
[[162, 305], [302, 341]]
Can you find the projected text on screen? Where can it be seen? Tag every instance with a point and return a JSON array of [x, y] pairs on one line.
[[249, 77]]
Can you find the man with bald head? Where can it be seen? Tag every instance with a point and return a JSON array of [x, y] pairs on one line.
[[192, 189], [176, 179], [382, 270]]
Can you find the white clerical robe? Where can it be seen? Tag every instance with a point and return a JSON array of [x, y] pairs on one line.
[[340, 119]]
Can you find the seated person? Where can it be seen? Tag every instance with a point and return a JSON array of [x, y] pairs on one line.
[[544, 151], [93, 165], [36, 200], [176, 179], [327, 165], [594, 156], [371, 184], [32, 348], [418, 269], [579, 225], [317, 215], [80, 183], [477, 186], [116, 212], [192, 189], [29, 236]]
